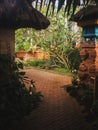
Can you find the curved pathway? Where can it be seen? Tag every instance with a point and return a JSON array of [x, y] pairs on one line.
[[58, 110]]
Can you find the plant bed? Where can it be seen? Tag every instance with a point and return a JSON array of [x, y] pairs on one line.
[[15, 100], [85, 97]]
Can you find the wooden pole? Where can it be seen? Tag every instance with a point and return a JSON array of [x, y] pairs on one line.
[[7, 41], [95, 88]]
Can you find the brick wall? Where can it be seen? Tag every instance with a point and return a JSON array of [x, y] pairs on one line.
[[31, 56]]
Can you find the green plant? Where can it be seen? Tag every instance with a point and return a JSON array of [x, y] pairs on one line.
[[75, 78], [95, 107], [61, 70], [74, 58], [23, 39], [82, 94], [15, 100], [38, 63], [56, 40], [85, 97]]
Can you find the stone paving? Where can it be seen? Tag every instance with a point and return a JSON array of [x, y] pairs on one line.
[[58, 110]]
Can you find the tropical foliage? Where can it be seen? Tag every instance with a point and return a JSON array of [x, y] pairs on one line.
[[66, 4], [23, 39], [15, 100], [58, 40]]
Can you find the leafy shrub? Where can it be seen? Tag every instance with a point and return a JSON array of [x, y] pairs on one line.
[[95, 107], [61, 70], [82, 94], [85, 97], [15, 100], [38, 63], [74, 58]]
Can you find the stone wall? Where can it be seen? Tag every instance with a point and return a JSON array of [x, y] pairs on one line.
[[88, 70]]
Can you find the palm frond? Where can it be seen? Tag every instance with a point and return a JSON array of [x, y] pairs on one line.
[[68, 4], [54, 2], [48, 7], [36, 4], [60, 4], [41, 4]]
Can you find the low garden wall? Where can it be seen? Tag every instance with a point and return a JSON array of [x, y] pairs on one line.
[[32, 55]]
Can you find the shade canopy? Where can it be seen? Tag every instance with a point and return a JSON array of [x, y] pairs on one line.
[[88, 13], [20, 14]]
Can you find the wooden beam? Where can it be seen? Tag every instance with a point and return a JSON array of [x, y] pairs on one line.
[[88, 22]]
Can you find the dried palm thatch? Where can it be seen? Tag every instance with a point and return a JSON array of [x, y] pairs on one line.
[[88, 13], [20, 13]]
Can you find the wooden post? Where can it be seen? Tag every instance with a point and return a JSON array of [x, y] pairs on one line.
[[95, 87], [7, 47], [7, 41]]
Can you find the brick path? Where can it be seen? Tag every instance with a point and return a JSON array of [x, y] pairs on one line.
[[58, 110]]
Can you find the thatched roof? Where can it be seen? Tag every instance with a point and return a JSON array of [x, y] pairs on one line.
[[88, 13], [20, 13]]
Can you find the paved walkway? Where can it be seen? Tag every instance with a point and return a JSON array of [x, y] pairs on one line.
[[58, 110]]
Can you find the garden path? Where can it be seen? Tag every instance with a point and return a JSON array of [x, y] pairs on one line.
[[58, 110]]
